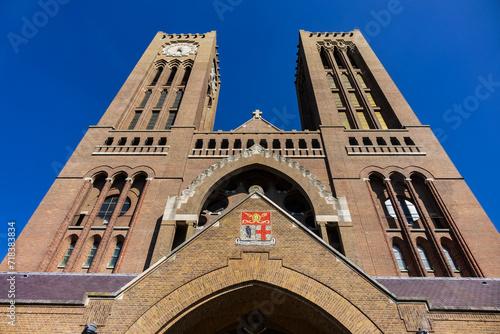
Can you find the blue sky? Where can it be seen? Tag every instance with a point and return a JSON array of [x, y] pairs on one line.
[[61, 65]]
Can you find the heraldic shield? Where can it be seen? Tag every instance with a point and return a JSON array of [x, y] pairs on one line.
[[255, 230]]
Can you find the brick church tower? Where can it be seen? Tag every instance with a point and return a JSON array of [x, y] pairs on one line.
[[358, 220]]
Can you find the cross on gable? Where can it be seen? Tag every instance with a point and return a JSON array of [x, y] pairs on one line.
[[257, 113]]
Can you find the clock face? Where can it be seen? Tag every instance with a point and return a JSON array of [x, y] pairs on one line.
[[179, 49]]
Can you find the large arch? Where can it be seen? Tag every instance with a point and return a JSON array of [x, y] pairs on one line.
[[253, 271], [321, 198], [255, 307]]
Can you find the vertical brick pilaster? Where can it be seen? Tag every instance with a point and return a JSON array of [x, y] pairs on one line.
[[190, 229], [132, 225], [103, 245], [404, 227], [86, 229], [48, 259]]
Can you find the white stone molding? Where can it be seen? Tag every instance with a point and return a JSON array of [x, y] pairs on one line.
[[339, 204]]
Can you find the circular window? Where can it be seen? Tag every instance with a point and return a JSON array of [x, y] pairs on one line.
[[109, 206], [310, 221], [297, 204], [202, 220], [217, 204]]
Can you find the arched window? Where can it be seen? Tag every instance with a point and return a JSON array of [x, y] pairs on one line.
[[450, 259], [399, 258], [93, 250], [423, 257], [116, 255], [346, 81], [145, 99], [67, 254], [109, 205], [324, 59], [331, 82], [171, 76], [185, 78], [157, 76], [408, 208]]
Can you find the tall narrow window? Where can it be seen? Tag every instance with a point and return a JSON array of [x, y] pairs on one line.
[[171, 120], [90, 258], [364, 123], [185, 78], [346, 81], [152, 120], [157, 76], [67, 255], [399, 258], [334, 238], [370, 98], [171, 76], [324, 59], [162, 98], [145, 99], [331, 82], [354, 100], [361, 81], [450, 259], [178, 99], [237, 143], [344, 120], [338, 101], [116, 255], [381, 119], [409, 210], [423, 257], [339, 62]]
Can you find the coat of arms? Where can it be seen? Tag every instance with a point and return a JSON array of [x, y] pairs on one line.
[[255, 230]]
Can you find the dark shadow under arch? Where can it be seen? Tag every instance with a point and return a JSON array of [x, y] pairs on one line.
[[254, 307]]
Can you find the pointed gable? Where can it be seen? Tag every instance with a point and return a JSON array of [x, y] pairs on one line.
[[279, 251], [257, 124]]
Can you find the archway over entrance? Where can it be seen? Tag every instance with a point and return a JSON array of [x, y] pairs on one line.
[[252, 308]]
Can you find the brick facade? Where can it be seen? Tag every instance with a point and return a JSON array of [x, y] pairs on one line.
[[361, 179]]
